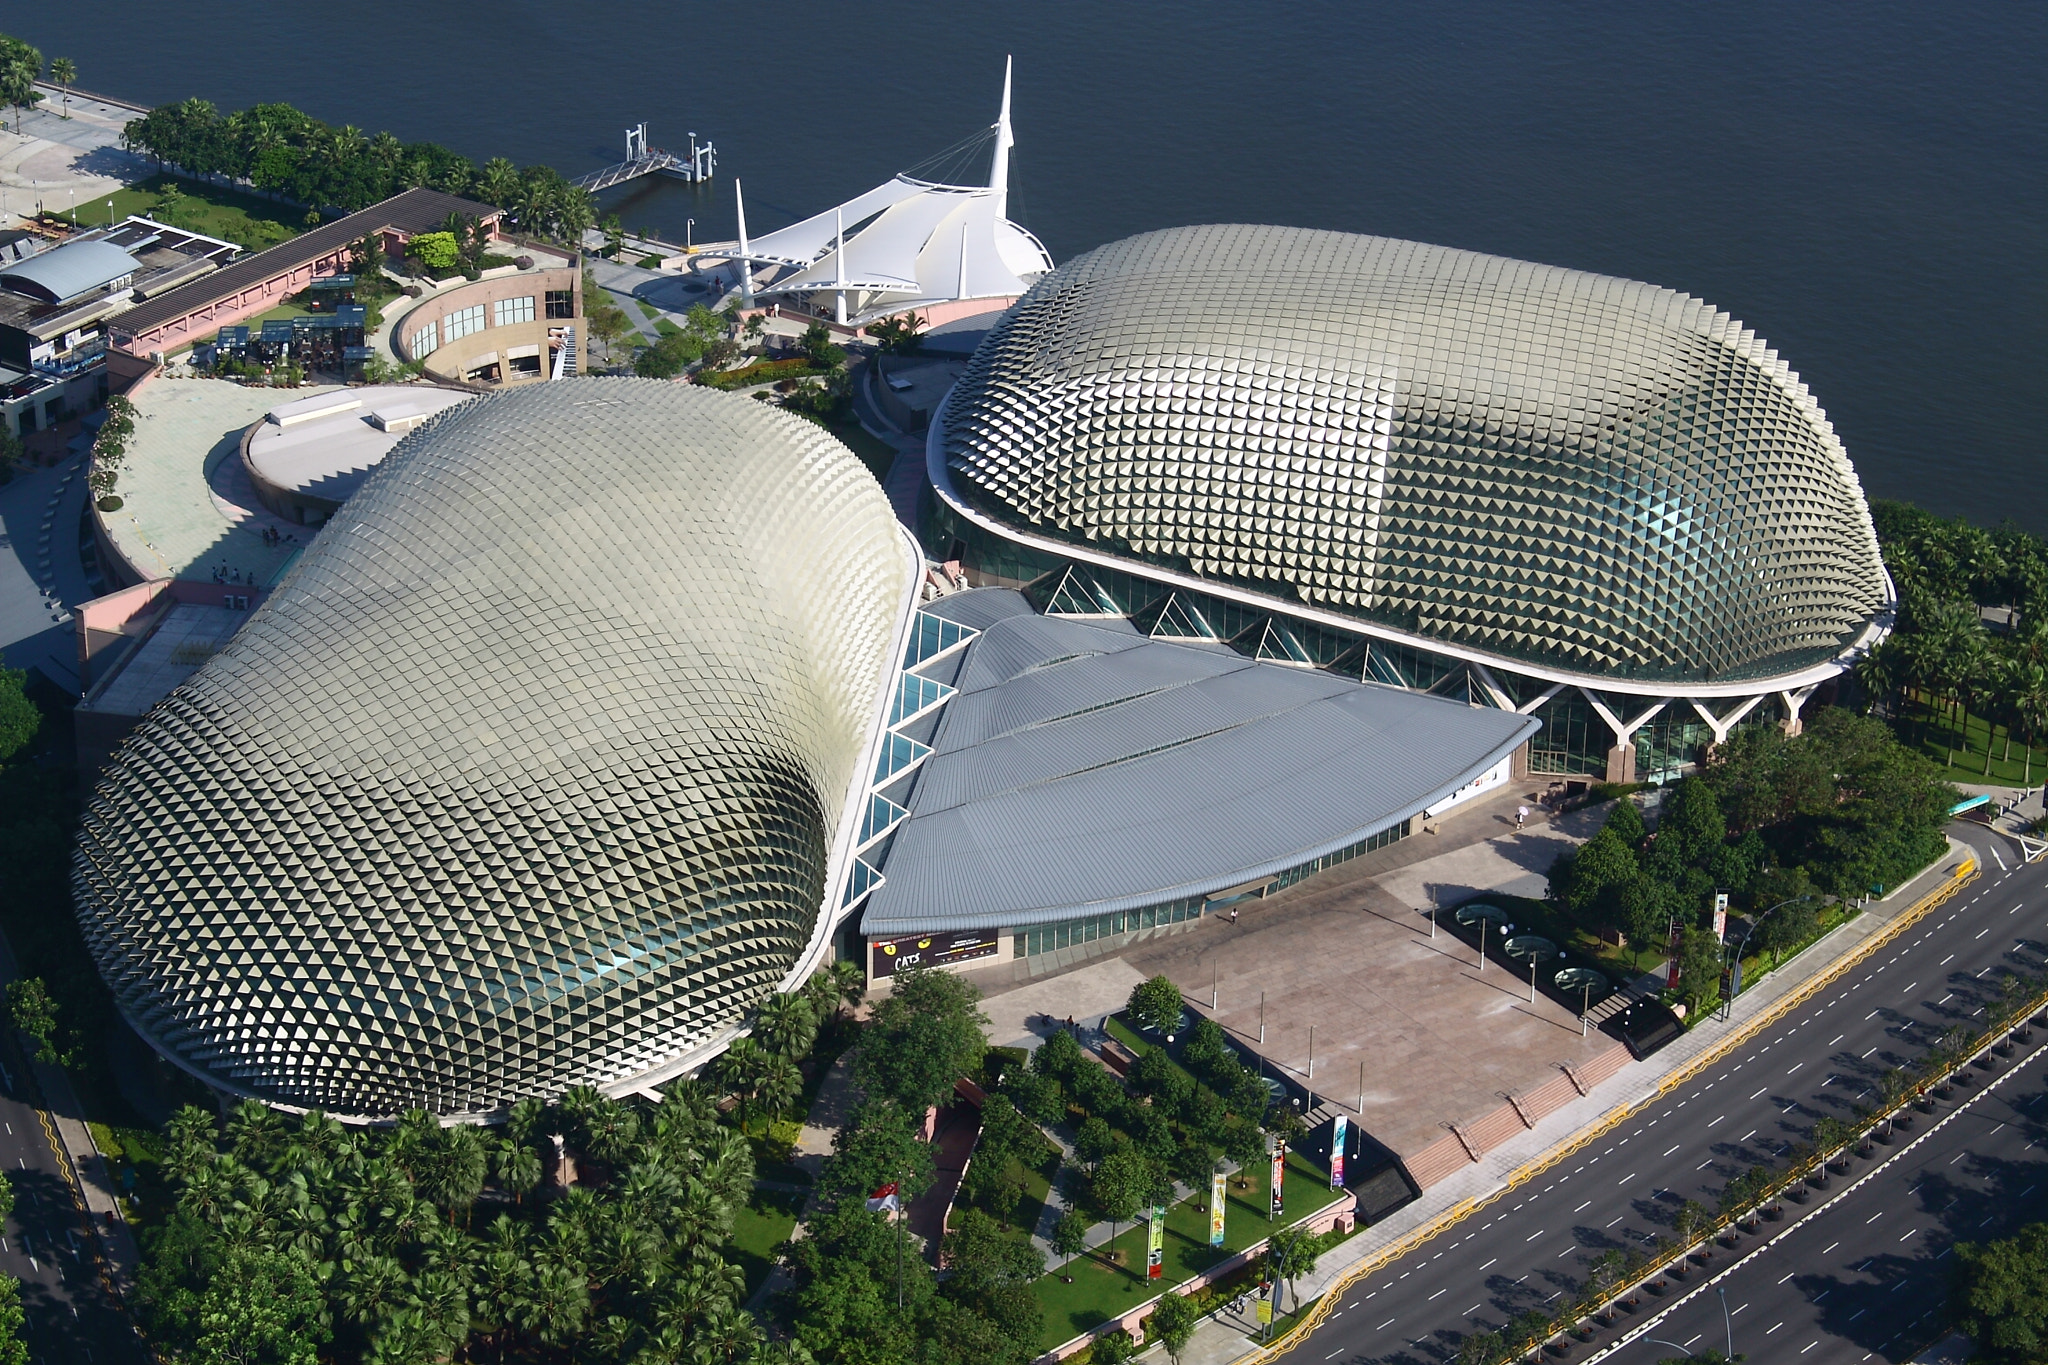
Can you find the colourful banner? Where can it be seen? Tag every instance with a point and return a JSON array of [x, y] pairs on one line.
[[1155, 1244], [1279, 1180], [1338, 1136], [892, 955], [1219, 1195], [1265, 1311]]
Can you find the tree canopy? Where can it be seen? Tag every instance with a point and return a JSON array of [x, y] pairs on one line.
[[281, 149], [2000, 1296], [925, 1035]]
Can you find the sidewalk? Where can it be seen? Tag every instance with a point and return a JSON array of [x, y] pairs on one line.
[[1218, 1341]]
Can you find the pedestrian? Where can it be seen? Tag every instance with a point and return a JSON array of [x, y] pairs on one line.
[[1521, 815], [1233, 914]]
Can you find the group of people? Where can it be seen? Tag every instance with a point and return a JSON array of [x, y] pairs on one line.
[[274, 537]]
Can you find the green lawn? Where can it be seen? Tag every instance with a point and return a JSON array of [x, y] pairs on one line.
[[764, 1224], [247, 221], [648, 310], [283, 310], [1101, 1290], [1961, 749]]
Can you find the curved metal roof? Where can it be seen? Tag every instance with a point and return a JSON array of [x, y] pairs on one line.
[[529, 774], [65, 272], [1082, 768], [1587, 474]]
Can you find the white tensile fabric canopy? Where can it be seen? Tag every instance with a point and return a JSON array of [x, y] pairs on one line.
[[906, 243]]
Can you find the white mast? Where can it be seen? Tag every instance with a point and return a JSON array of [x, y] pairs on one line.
[[839, 263], [739, 205], [999, 168]]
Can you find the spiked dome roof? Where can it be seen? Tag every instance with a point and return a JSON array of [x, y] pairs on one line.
[[528, 776], [1600, 479]]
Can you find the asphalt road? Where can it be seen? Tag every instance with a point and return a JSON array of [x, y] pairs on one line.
[[1866, 1278], [1532, 1245], [71, 1317]]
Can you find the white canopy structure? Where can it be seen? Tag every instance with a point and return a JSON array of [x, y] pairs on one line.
[[906, 244]]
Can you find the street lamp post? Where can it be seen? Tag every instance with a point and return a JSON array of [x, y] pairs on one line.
[[1532, 978], [1735, 978], [1728, 1321], [689, 231]]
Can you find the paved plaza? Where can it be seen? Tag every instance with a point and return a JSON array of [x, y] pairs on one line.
[[62, 164], [1349, 954], [188, 508]]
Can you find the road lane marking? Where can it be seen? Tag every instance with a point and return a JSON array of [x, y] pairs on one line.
[[1583, 1207], [1489, 1262], [1716, 1119], [1439, 1294], [1674, 1147], [1760, 1092], [1774, 1327]]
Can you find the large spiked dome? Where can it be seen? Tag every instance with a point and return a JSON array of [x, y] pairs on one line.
[[1595, 478], [527, 777]]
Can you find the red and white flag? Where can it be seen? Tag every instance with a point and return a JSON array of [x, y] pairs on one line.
[[885, 1198]]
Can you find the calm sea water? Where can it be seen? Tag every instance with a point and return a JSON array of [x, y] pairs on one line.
[[1862, 183]]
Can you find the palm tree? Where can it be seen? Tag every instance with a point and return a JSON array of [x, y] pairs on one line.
[[255, 1133], [64, 71], [556, 1303], [523, 1120], [518, 1169], [370, 1288], [2028, 697], [191, 1133], [408, 1337], [851, 980], [609, 1131], [19, 64], [1877, 673], [453, 1173], [498, 182], [788, 1024], [778, 1085]]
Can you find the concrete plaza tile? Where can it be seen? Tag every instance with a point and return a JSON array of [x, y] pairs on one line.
[[186, 507]]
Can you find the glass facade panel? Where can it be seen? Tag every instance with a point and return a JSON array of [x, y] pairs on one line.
[[505, 312], [933, 636], [862, 880], [1052, 937], [1573, 741], [898, 753], [881, 818], [1671, 742], [914, 694], [425, 341]]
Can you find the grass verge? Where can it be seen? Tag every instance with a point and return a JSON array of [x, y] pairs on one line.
[[251, 223], [764, 1224]]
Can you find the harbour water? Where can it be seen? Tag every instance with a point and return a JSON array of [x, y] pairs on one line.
[[1862, 183]]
